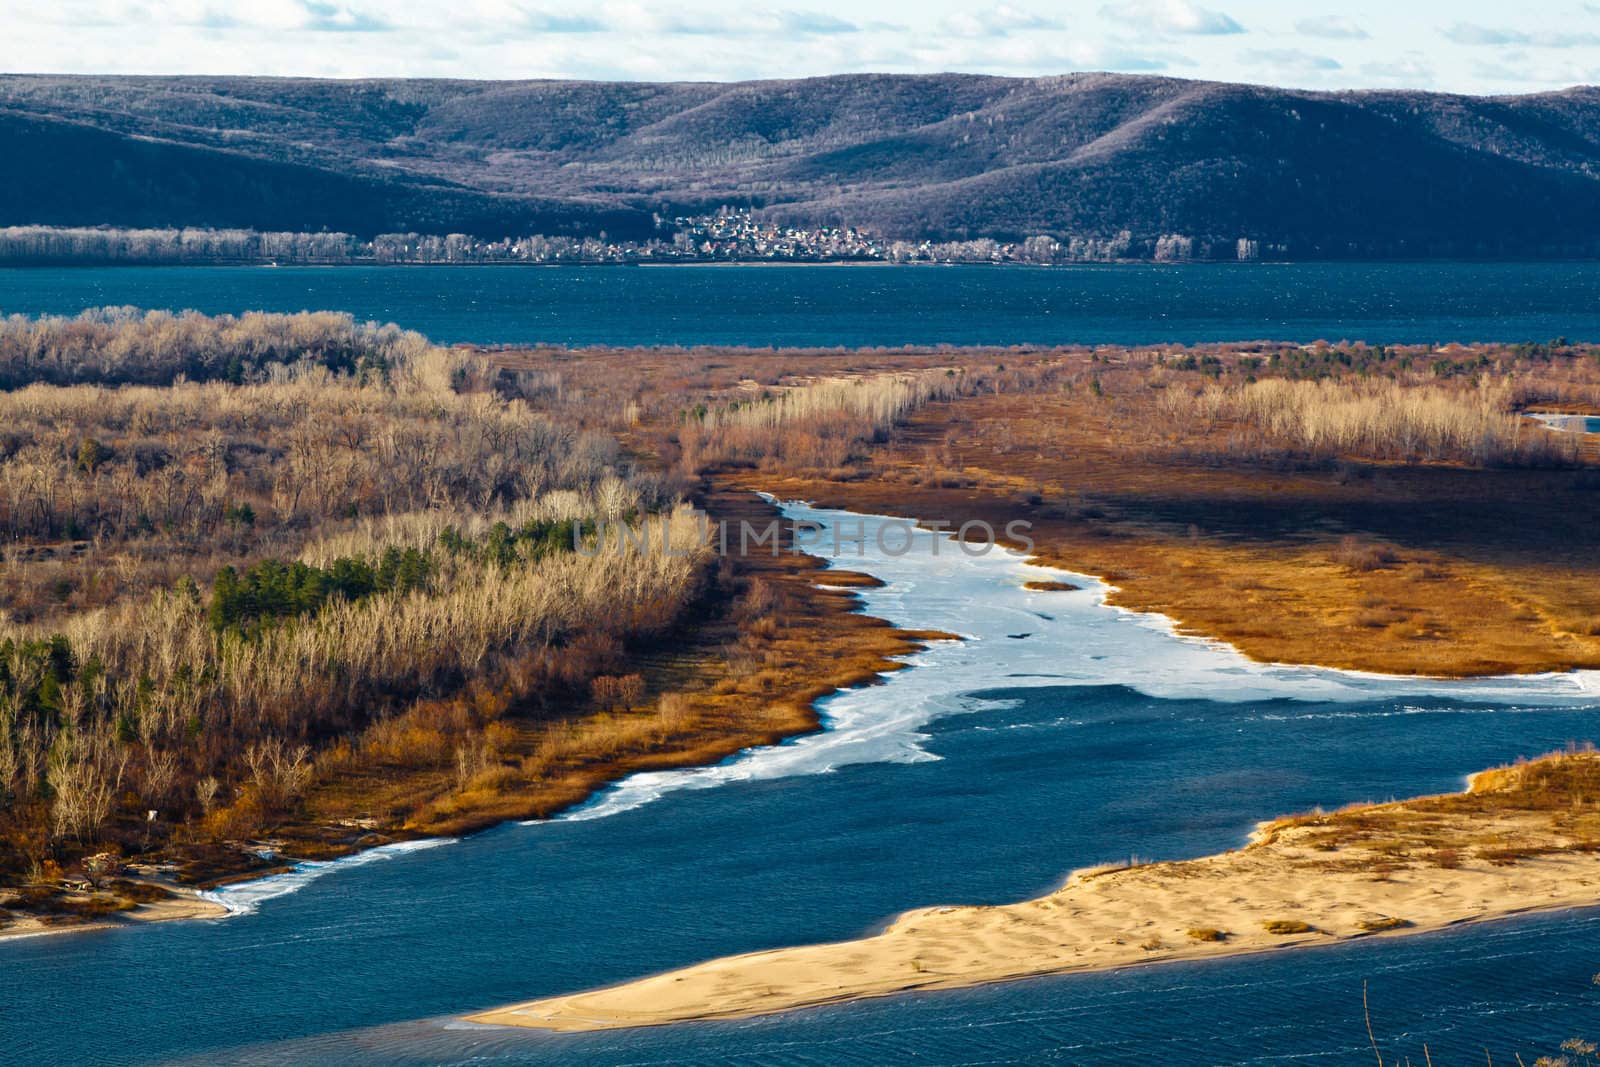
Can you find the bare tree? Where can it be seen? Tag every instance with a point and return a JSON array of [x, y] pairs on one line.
[[279, 772]]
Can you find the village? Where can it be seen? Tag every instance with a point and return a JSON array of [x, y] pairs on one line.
[[729, 235]]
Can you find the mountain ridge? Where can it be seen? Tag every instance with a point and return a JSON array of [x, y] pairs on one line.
[[944, 157]]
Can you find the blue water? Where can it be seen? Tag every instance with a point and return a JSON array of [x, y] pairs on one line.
[[370, 963], [857, 306], [1062, 778], [985, 797]]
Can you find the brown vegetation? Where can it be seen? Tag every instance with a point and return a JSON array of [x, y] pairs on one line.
[[743, 669], [116, 346], [222, 595], [1383, 419], [484, 673], [1444, 566], [336, 599]]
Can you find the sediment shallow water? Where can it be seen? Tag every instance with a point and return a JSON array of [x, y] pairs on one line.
[[1062, 733]]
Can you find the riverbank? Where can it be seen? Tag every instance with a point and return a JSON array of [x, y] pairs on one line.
[[1427, 570], [746, 672], [1422, 569], [1123, 463], [159, 901], [1520, 839]]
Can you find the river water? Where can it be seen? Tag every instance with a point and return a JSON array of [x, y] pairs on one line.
[[1062, 733], [875, 305]]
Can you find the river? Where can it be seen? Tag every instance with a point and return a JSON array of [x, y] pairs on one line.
[[1062, 733]]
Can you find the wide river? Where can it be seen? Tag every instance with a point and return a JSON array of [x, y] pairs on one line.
[[1061, 734], [1064, 733], [876, 305]]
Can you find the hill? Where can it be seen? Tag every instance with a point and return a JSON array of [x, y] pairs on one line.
[[947, 157]]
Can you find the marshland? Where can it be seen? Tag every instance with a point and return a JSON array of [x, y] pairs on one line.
[[776, 556], [301, 586]]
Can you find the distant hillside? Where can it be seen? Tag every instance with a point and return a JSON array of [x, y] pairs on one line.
[[947, 157]]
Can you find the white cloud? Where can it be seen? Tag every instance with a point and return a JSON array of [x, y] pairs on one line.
[[341, 18], [1408, 71], [1171, 16], [816, 22], [561, 22], [1290, 61], [1334, 27], [1471, 33], [1516, 70], [1467, 49], [997, 21], [744, 22]]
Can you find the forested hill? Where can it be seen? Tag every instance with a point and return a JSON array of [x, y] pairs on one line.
[[947, 157]]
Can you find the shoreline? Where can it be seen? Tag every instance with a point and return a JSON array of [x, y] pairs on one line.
[[860, 650], [1152, 572], [836, 584], [1302, 881], [545, 1013], [52, 264], [183, 902]]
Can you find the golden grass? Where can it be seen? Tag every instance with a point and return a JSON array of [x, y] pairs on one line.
[[1493, 821], [1382, 419], [703, 709], [1250, 521], [1412, 570]]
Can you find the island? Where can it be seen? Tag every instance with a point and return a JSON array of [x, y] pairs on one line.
[[1521, 838]]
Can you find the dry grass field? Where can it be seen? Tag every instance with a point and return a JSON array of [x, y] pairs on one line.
[[1378, 517], [227, 541]]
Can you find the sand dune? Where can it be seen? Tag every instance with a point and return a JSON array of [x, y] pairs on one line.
[[1514, 843]]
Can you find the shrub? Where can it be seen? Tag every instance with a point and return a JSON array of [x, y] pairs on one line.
[[1207, 933], [496, 779], [671, 711], [1510, 855], [1287, 926], [117, 346], [1382, 923], [1362, 556], [631, 689], [606, 691], [139, 892], [273, 589]]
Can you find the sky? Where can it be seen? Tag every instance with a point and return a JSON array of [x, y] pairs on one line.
[[1464, 46]]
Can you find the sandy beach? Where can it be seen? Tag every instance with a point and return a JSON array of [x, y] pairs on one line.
[[183, 903], [1521, 839]]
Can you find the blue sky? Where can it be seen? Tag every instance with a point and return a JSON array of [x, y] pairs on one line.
[[1466, 46]]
